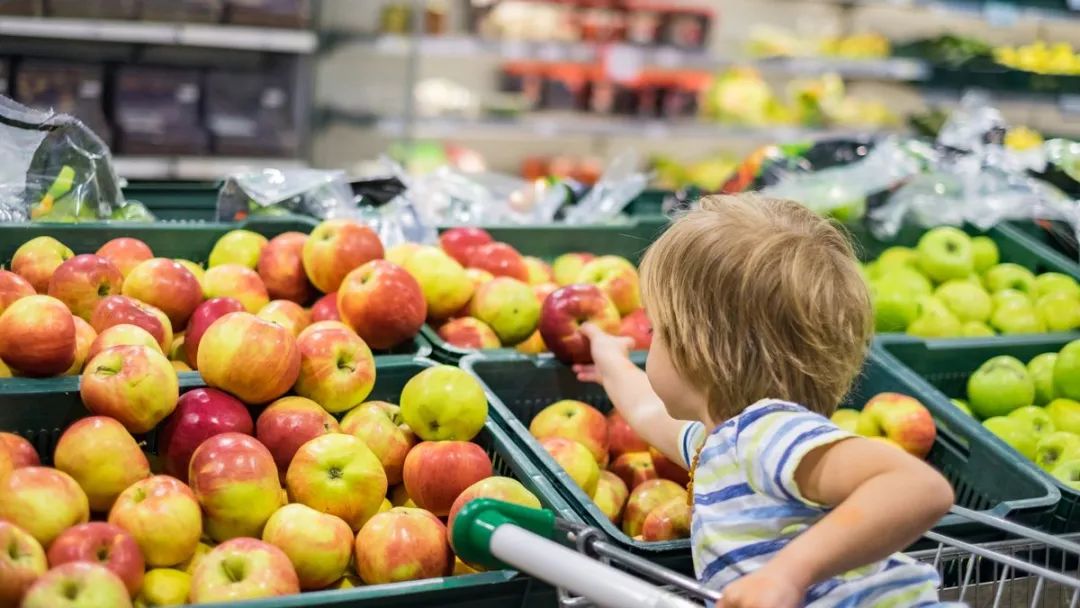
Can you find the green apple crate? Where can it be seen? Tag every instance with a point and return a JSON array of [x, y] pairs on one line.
[[41, 415], [177, 201], [947, 366], [984, 473]]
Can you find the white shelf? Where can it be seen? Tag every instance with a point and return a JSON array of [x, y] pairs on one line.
[[276, 40], [209, 168]]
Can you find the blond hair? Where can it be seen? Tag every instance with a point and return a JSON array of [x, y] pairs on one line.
[[758, 298]]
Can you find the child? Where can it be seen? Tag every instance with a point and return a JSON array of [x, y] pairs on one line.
[[761, 323]]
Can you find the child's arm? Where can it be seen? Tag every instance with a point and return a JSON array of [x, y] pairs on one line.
[[630, 392], [885, 499]]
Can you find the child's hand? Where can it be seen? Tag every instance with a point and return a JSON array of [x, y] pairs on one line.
[[604, 347], [762, 589]]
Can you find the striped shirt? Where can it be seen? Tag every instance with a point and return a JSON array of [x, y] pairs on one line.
[[747, 507]]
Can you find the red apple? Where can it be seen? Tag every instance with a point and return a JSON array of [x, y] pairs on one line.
[[574, 420], [610, 495], [77, 584], [115, 310], [337, 369], [321, 558], [379, 425], [101, 543], [42, 501], [84, 338], [102, 457], [622, 438], [382, 303], [36, 259], [281, 267], [163, 517], [402, 544], [255, 360], [667, 469], [199, 415], [37, 336], [22, 452], [134, 384], [21, 563], [563, 313], [335, 248], [506, 489], [646, 497], [901, 418], [460, 242], [617, 278], [235, 480], [669, 521], [636, 326], [209, 311], [289, 423], [325, 309], [501, 260], [576, 460], [243, 569], [13, 287], [236, 281], [337, 474], [436, 472], [634, 468], [83, 281], [167, 285], [121, 335], [287, 314], [468, 332], [126, 253]]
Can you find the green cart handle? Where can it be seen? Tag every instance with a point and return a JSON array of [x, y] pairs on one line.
[[478, 519]]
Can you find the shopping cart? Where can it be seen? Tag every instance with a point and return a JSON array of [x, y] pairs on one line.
[[1024, 567]]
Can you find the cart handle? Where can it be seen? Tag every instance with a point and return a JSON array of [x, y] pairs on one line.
[[478, 519]]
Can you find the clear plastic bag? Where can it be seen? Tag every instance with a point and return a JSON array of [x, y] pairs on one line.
[[271, 192], [620, 183]]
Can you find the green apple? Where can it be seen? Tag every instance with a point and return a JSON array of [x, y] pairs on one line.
[[985, 252], [961, 405], [1000, 386], [1041, 369], [1013, 432], [1066, 415], [976, 329], [871, 271], [945, 253], [967, 300], [894, 308], [1055, 282], [1010, 276], [1036, 418], [935, 320], [846, 419], [906, 279], [1060, 310], [1067, 371], [444, 403], [1009, 297], [1055, 447], [1012, 320], [898, 256], [1068, 473]]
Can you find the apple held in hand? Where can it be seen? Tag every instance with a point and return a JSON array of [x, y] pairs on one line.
[[325, 309], [442, 280], [42, 501], [163, 517], [402, 544], [460, 242], [576, 460], [437, 472], [574, 420], [617, 278], [13, 287], [104, 544], [319, 545], [199, 415], [83, 281], [634, 468], [167, 285], [237, 282], [243, 569], [339, 475], [563, 314], [999, 386], [281, 267], [335, 248], [382, 303], [134, 384], [117, 310], [126, 253], [337, 369], [235, 481], [444, 403], [255, 360], [644, 499], [102, 457], [287, 314], [37, 259], [610, 496], [380, 426], [505, 489], [37, 336], [637, 327], [77, 585], [509, 307], [20, 450], [468, 332], [209, 311], [900, 418], [241, 247], [21, 563], [289, 423]]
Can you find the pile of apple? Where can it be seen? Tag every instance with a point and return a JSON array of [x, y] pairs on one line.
[[896, 419], [235, 508], [952, 285], [1035, 408], [484, 294], [632, 483]]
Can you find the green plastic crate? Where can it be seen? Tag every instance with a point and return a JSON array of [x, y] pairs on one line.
[[187, 201], [40, 415], [1040, 239], [984, 474], [948, 365]]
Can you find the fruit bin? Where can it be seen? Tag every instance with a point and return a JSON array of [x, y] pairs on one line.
[[985, 474], [40, 415], [187, 201], [948, 365]]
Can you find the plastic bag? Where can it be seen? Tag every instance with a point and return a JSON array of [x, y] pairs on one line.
[[273, 192], [620, 183]]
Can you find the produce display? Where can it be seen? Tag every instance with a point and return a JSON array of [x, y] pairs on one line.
[[952, 285], [1041, 58], [768, 41]]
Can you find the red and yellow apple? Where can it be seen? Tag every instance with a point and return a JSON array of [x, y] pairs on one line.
[[255, 360], [20, 450], [543, 290], [478, 277], [617, 278], [501, 260], [43, 501], [399, 254], [337, 369], [637, 327], [289, 423], [126, 253], [669, 521], [164, 587], [166, 285], [241, 247], [442, 280], [200, 414], [444, 403], [287, 314], [380, 426], [37, 336], [209, 311], [37, 259], [622, 438], [506, 489], [900, 418], [102, 457], [509, 307], [103, 544], [567, 267], [239, 282], [325, 309], [115, 310], [281, 267], [121, 335], [634, 468], [243, 569], [382, 303], [539, 271], [534, 345], [163, 516], [460, 242], [84, 337], [437, 472], [400, 545], [136, 385], [335, 248], [467, 332], [83, 281], [576, 460], [77, 584], [319, 545], [13, 287], [235, 481], [667, 468], [339, 475], [563, 313], [646, 497], [576, 420], [21, 563], [610, 496]]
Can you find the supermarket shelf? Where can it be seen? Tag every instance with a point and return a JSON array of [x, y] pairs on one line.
[[207, 168], [997, 12], [275, 40]]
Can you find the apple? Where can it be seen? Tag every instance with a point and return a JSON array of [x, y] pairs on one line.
[[196, 270], [904, 279], [567, 267], [900, 418], [37, 336], [180, 366], [509, 307], [898, 256], [543, 290], [444, 403], [205, 314], [319, 545], [460, 242], [235, 480], [668, 469], [539, 271], [945, 253], [501, 260], [84, 338], [478, 276], [506, 489], [1055, 282], [617, 278], [1000, 385], [134, 384], [337, 369], [400, 545], [534, 345], [382, 303], [1041, 370], [115, 310], [1060, 311], [241, 247], [126, 253], [399, 497], [1068, 473], [83, 281], [1010, 276], [442, 280], [637, 327], [325, 309], [1065, 414], [380, 426], [962, 406], [984, 253], [846, 418], [255, 360], [7, 462], [13, 287], [576, 460], [895, 308], [610, 495], [42, 501], [37, 259], [563, 313], [287, 314], [163, 587], [934, 320], [281, 267], [399, 254], [121, 335], [322, 326], [1037, 419], [1052, 448], [644, 499], [1016, 433], [468, 332], [335, 248], [102, 457], [574, 420], [1017, 320], [162, 515], [969, 302], [1066, 371], [21, 563], [200, 414], [243, 569], [289, 423], [188, 566], [168, 286], [621, 437], [20, 450], [669, 521], [437, 472], [77, 585], [976, 329], [634, 468], [104, 544], [339, 475], [239, 282]]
